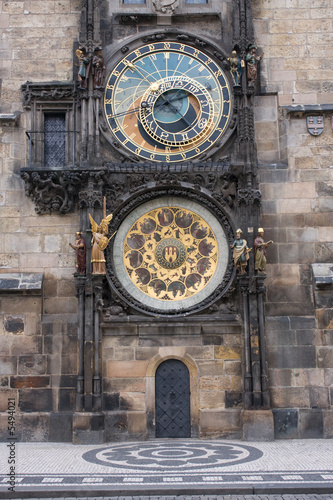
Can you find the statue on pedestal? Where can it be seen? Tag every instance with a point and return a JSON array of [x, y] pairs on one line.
[[236, 68], [80, 253], [99, 243], [84, 65], [241, 252], [260, 251], [98, 69], [251, 62]]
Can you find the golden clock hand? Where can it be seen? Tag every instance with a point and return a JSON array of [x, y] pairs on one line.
[[133, 68]]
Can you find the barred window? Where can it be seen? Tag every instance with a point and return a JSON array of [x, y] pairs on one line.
[[54, 139]]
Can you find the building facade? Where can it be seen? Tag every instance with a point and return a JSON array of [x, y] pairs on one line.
[[136, 140]]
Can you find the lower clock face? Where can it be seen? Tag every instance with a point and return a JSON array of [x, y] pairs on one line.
[[167, 102], [169, 254]]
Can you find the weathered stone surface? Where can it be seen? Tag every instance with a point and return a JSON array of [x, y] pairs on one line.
[[258, 425], [127, 369], [116, 426], [210, 368], [311, 424], [328, 424], [60, 427], [216, 383], [292, 357], [35, 427], [201, 352], [212, 399], [21, 382], [124, 354], [290, 397], [8, 365], [111, 401], [32, 365], [325, 357], [124, 384], [220, 423], [14, 324], [5, 396], [35, 400], [285, 424], [281, 377], [319, 397], [144, 353], [66, 400], [137, 423], [232, 367], [233, 399], [134, 401], [227, 352]]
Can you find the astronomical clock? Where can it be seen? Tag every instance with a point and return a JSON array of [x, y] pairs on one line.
[[169, 103]]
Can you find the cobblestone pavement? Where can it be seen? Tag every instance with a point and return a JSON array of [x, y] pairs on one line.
[[170, 467]]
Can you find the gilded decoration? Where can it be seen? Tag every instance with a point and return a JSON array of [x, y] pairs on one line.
[[170, 253]]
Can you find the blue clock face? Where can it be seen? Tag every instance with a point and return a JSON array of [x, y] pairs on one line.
[[167, 102]]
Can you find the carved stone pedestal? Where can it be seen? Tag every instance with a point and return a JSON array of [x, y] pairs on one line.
[[258, 425], [88, 428]]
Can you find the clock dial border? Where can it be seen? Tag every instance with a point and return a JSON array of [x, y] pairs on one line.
[[126, 129], [175, 306]]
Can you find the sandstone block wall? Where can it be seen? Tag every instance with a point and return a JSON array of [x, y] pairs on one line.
[[213, 354], [296, 180], [38, 351]]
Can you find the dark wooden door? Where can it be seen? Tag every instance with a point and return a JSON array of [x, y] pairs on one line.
[[172, 399]]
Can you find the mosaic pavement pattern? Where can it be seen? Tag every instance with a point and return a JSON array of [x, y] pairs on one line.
[[163, 464]]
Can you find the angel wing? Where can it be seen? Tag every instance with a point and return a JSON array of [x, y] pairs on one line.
[[105, 223], [94, 224]]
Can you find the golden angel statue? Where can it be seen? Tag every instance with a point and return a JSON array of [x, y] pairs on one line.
[[99, 243]]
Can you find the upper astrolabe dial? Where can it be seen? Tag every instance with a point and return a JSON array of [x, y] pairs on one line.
[[167, 102]]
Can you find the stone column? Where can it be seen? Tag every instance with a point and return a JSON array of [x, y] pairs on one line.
[[243, 282], [261, 316], [98, 304], [80, 293]]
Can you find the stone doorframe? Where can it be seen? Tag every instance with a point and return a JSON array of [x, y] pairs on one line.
[[165, 354]]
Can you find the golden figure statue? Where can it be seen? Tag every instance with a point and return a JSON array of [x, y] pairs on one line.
[[260, 251], [99, 243]]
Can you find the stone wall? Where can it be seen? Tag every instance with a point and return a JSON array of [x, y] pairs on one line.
[[296, 180], [213, 355], [38, 331], [38, 350]]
